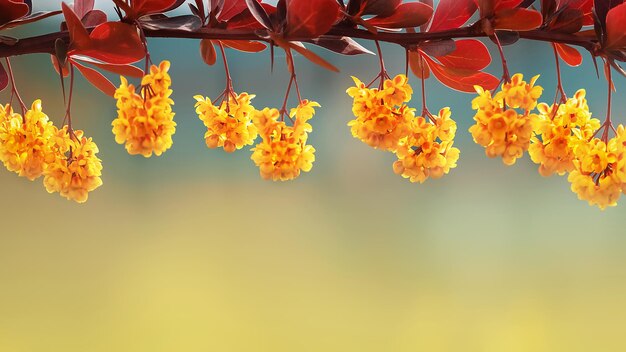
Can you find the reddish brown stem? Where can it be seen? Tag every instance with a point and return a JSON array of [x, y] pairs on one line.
[[14, 91]]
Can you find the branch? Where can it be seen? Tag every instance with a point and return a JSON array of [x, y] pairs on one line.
[[45, 43]]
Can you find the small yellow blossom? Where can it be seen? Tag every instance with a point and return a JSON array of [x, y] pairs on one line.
[[284, 151], [229, 125], [499, 127], [24, 142], [145, 121], [557, 131], [427, 151], [382, 118], [76, 170]]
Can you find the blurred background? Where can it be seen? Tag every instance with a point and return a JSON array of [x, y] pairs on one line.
[[193, 251]]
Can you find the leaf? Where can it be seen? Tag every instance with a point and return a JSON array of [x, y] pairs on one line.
[[342, 45], [189, 23], [7, 40], [570, 55], [114, 43], [506, 4], [602, 8], [438, 47], [12, 10], [207, 51], [311, 56], [147, 7], [30, 19], [79, 38], [55, 64], [518, 19], [418, 65], [259, 13], [124, 70], [505, 37], [451, 14], [380, 7], [94, 18], [310, 18], [567, 21], [470, 54], [247, 46], [615, 28], [460, 79], [96, 79], [230, 9], [4, 78], [411, 14], [82, 7]]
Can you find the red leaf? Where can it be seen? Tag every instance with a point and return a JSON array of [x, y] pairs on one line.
[[311, 56], [411, 14], [518, 19], [452, 14], [11, 10], [470, 54], [247, 21], [342, 45], [147, 7], [244, 45], [311, 18], [258, 12], [114, 43], [94, 18], [207, 51], [82, 7], [615, 28], [505, 4], [567, 21], [124, 70], [230, 9], [418, 66], [379, 7], [96, 79], [55, 64], [4, 78], [79, 38], [586, 6], [460, 79], [570, 55]]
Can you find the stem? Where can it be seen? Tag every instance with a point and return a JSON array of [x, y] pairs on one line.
[[228, 92], [14, 90], [559, 86], [383, 72], [608, 124], [425, 111], [506, 76]]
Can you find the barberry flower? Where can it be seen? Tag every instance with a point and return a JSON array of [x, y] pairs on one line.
[[145, 121], [229, 125], [382, 118], [558, 129], [599, 170], [427, 151], [75, 170], [499, 127], [24, 142], [284, 151]]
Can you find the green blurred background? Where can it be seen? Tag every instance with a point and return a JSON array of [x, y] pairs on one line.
[[192, 251]]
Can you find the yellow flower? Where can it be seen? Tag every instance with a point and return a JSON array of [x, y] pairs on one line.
[[76, 169], [24, 142], [229, 126], [599, 172], [382, 118], [428, 149], [283, 153], [557, 131], [499, 127], [145, 121]]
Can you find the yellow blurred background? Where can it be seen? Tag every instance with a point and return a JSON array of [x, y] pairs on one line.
[[193, 252]]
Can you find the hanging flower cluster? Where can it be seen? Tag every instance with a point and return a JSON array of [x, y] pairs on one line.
[[284, 153], [500, 128], [423, 145], [32, 146], [145, 120], [229, 126]]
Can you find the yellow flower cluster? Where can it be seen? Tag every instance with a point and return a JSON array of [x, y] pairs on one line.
[[230, 125], [32, 146], [558, 129], [76, 170], [145, 120], [427, 151], [284, 151], [382, 118], [384, 121], [499, 127]]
